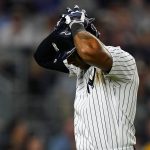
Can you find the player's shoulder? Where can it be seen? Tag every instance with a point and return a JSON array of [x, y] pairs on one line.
[[117, 51]]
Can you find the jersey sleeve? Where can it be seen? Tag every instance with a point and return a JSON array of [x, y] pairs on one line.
[[124, 65], [73, 70]]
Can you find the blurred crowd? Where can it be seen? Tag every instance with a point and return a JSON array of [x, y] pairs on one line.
[[36, 105]]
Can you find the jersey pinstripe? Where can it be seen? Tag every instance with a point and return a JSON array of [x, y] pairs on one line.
[[104, 111]]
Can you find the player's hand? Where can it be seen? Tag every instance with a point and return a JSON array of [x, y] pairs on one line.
[[62, 31], [76, 16]]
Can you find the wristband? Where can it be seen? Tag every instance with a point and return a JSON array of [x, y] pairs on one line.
[[77, 27]]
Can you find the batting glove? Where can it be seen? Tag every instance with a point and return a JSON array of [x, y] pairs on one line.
[[76, 16]]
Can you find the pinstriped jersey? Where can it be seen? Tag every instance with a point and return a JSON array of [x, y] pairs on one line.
[[105, 104]]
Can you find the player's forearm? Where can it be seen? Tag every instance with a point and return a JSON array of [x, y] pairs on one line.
[[91, 50], [87, 45]]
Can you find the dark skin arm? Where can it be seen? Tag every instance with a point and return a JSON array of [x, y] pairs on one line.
[[92, 51]]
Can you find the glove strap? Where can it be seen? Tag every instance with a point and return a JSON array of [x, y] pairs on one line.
[[77, 27]]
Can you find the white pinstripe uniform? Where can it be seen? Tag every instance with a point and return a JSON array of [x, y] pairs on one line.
[[105, 110]]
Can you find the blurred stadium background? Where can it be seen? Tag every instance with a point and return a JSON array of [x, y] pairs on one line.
[[36, 105]]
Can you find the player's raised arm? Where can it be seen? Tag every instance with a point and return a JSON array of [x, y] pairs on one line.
[[88, 46], [90, 49]]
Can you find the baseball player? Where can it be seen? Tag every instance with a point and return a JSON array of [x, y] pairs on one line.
[[107, 82]]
